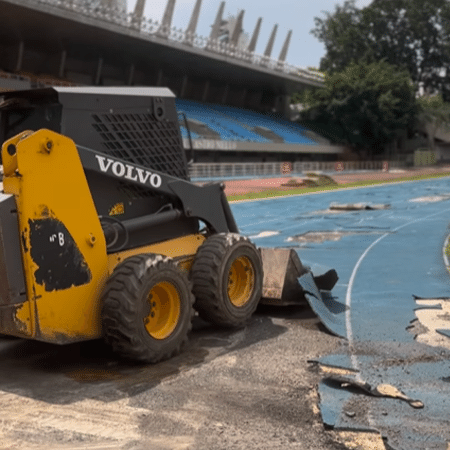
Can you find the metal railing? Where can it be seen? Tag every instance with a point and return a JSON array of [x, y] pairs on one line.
[[272, 169], [36, 80], [153, 30], [12, 76]]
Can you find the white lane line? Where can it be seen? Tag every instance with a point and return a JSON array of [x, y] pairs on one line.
[[348, 301], [348, 297]]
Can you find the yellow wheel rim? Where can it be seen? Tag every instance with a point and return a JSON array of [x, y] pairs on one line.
[[241, 281], [165, 306]]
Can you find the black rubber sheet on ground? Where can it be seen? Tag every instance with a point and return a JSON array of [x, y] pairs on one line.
[[326, 307]]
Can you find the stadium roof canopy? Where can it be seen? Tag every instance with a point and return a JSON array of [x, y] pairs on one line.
[[81, 43]]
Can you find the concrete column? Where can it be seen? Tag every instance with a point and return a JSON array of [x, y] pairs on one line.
[[269, 48], [225, 94], [192, 27], [160, 77], [252, 46], [138, 13], [139, 9], [236, 33], [216, 26], [274, 103], [164, 29], [205, 91], [285, 48], [254, 99], [20, 52], [258, 98], [62, 64], [245, 93], [131, 75], [98, 74], [281, 105], [243, 96], [285, 106], [184, 83]]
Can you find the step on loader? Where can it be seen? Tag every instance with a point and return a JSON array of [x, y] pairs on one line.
[[102, 233]]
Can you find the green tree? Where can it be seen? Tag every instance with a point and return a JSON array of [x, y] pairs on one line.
[[411, 34], [434, 115], [364, 106]]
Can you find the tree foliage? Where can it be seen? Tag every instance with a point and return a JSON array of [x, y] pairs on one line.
[[411, 34], [434, 114], [366, 105]]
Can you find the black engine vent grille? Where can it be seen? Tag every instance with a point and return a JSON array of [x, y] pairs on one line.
[[144, 140]]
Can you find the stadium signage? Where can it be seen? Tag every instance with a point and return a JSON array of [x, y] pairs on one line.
[[128, 171], [211, 144]]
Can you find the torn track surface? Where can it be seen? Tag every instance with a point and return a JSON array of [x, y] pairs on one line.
[[383, 258]]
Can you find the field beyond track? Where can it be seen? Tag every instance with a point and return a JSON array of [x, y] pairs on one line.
[[273, 187]]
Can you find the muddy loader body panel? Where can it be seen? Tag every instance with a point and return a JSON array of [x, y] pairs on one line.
[[63, 248]]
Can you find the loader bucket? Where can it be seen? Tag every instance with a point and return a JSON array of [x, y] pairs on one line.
[[282, 269]]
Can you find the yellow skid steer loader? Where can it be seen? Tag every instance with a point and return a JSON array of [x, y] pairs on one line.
[[102, 234]]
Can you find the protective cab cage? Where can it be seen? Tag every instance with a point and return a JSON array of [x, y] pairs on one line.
[[131, 149]]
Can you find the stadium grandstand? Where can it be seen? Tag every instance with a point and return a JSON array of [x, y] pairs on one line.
[[233, 104]]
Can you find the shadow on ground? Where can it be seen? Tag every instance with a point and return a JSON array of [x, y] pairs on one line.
[[71, 373]]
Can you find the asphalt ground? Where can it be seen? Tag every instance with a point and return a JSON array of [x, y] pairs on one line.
[[244, 389]]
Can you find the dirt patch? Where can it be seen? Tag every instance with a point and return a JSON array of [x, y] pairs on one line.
[[433, 320], [318, 237], [431, 199], [362, 441], [357, 207], [416, 328], [311, 180], [265, 234], [244, 389]]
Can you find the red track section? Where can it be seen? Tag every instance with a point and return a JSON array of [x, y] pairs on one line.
[[238, 187]]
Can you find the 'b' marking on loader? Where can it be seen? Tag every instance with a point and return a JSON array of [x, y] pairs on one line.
[[57, 237]]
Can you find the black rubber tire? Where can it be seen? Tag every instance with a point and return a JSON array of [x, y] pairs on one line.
[[210, 274], [125, 306]]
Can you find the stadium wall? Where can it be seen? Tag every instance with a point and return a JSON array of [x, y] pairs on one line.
[[95, 46], [53, 42]]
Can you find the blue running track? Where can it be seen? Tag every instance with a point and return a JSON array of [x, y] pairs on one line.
[[384, 259]]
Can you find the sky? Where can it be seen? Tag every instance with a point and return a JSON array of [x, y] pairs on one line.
[[304, 51]]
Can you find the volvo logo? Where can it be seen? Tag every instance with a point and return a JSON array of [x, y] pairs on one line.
[[128, 171]]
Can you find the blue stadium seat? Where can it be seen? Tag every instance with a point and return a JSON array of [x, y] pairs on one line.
[[184, 133], [235, 124]]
